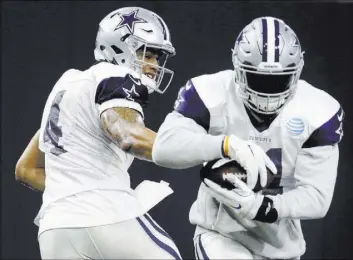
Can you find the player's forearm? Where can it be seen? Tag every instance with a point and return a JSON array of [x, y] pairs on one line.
[[30, 168], [181, 143], [301, 203], [312, 197], [126, 128], [33, 177], [139, 142], [133, 138]]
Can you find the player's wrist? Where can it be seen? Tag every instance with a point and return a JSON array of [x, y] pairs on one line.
[[225, 146], [265, 210], [211, 147]]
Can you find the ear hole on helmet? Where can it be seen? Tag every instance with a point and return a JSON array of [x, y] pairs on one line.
[[102, 48], [116, 49]]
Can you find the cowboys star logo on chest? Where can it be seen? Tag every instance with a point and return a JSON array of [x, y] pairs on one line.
[[128, 20]]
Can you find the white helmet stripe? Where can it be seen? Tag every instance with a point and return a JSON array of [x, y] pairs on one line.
[[270, 39], [264, 39], [276, 40]]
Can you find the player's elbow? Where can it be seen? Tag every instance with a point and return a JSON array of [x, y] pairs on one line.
[[126, 139], [126, 144], [323, 209], [323, 212], [119, 135], [320, 212], [20, 172], [164, 156], [322, 205]]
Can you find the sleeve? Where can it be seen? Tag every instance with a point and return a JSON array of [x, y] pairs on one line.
[[190, 105], [329, 133], [121, 91], [182, 140], [315, 173]]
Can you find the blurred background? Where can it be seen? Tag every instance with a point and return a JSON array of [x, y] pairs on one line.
[[41, 40]]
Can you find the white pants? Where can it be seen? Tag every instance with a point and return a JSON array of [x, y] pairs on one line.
[[213, 245], [140, 238]]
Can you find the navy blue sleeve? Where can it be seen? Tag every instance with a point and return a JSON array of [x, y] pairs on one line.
[[190, 105], [127, 87], [329, 133]]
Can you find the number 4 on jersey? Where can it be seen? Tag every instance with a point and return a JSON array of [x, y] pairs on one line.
[[53, 132]]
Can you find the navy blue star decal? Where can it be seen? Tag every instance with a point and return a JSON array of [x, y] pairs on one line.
[[129, 20]]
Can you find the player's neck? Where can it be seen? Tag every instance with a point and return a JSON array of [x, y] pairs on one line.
[[260, 121]]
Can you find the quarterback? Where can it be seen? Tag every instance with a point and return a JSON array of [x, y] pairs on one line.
[[259, 110], [92, 129]]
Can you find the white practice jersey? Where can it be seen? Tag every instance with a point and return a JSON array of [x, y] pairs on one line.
[[301, 141], [87, 180]]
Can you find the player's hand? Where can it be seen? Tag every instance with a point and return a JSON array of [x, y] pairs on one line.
[[251, 157], [243, 200]]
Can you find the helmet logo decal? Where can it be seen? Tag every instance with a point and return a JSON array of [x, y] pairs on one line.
[[129, 20]]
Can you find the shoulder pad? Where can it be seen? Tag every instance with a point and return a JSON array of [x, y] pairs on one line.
[[212, 88], [200, 95], [322, 112], [118, 86]]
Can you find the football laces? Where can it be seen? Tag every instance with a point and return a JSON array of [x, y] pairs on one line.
[[239, 175]]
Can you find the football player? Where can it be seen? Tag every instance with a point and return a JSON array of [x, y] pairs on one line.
[[262, 101], [91, 130]]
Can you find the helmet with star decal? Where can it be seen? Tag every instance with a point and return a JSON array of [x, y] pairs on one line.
[[124, 32]]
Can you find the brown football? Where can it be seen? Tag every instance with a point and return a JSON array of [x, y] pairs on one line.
[[229, 166]]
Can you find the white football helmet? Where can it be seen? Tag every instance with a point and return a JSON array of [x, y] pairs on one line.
[[124, 31], [268, 61]]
